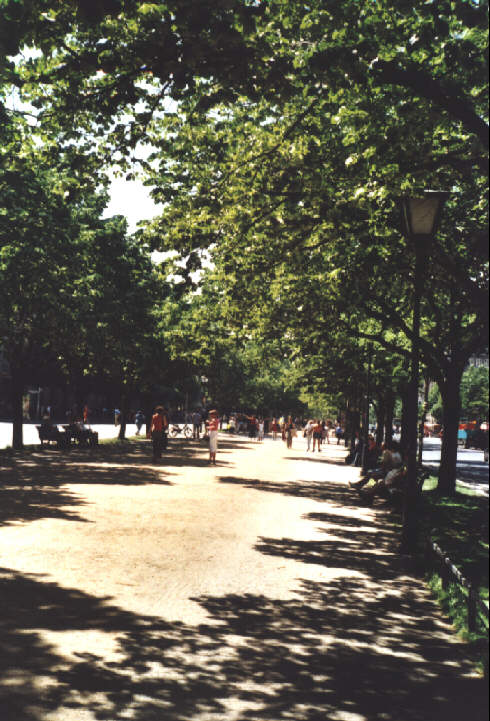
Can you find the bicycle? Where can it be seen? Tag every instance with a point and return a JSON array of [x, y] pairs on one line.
[[176, 429]]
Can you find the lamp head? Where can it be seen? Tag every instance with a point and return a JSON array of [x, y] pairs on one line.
[[421, 213]]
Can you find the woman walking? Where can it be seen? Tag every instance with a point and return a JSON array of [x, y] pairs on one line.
[[308, 432], [212, 425], [290, 429], [159, 424], [317, 435]]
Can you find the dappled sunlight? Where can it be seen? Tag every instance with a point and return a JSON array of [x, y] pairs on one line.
[[217, 595], [338, 652]]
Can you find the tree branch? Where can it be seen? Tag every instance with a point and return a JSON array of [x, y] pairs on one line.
[[428, 87]]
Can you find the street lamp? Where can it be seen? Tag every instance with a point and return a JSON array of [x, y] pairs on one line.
[[368, 403], [421, 215]]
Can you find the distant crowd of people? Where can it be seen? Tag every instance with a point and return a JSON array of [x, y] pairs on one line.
[[383, 466], [254, 426]]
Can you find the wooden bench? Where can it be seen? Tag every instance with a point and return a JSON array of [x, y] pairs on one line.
[[51, 433], [397, 493], [82, 436]]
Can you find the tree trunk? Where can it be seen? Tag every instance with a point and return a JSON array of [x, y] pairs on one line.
[[380, 421], [404, 419], [420, 450], [17, 390], [353, 422], [148, 411], [124, 416], [451, 408], [390, 410]]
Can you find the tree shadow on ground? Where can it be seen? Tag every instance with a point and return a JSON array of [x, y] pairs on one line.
[[346, 648], [319, 459], [366, 643], [34, 485], [31, 482], [339, 519], [20, 503], [334, 492]]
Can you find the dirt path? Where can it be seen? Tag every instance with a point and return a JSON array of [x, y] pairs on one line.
[[256, 589]]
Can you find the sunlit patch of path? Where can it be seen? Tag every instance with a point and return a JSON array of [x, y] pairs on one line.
[[257, 589]]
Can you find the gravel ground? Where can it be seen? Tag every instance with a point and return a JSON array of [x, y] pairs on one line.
[[254, 590]]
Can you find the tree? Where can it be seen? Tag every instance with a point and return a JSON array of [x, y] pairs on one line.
[[41, 254], [301, 149], [310, 179], [474, 393], [118, 343]]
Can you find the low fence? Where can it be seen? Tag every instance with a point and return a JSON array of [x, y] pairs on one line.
[[448, 571]]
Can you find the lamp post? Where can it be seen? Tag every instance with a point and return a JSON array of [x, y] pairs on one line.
[[421, 216], [368, 403]]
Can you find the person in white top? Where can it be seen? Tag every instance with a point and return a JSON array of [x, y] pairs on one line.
[[260, 436], [308, 432], [212, 425]]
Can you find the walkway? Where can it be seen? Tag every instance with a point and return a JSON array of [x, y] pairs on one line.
[[256, 590]]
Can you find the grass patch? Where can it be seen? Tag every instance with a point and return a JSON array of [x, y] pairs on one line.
[[119, 441], [459, 526]]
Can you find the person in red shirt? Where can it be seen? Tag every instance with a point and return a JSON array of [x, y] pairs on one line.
[[158, 430], [317, 435]]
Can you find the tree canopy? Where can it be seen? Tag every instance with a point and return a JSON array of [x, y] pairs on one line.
[[279, 138]]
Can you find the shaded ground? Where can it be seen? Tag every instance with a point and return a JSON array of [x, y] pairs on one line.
[[254, 590]]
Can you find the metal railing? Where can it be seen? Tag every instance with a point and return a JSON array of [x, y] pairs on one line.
[[448, 571]]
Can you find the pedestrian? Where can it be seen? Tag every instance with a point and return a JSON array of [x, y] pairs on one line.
[[290, 432], [317, 435], [212, 426], [139, 419], [338, 432], [252, 427], [196, 424], [324, 432], [308, 434], [275, 428], [260, 436], [159, 425]]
